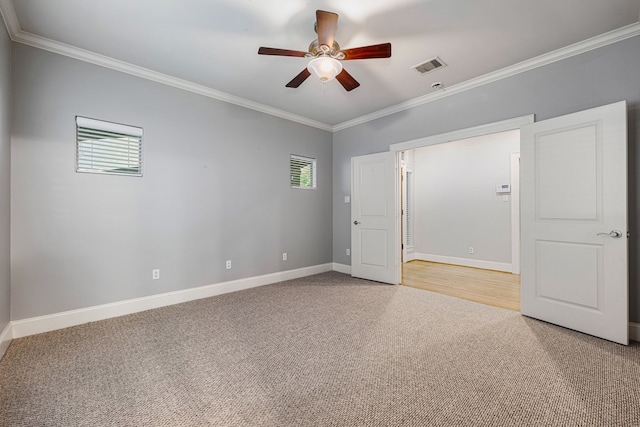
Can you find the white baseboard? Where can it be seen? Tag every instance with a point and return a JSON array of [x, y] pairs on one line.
[[51, 322], [634, 331], [5, 339], [36, 325], [342, 268], [410, 257], [467, 262]]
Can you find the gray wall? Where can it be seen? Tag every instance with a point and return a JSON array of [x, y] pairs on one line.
[[595, 78], [5, 174], [215, 187], [456, 204]]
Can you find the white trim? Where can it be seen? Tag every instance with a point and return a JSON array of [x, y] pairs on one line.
[[342, 268], [145, 73], [17, 35], [515, 213], [466, 262], [521, 67], [456, 135], [5, 339], [51, 322], [410, 256], [634, 331], [398, 218], [10, 18]]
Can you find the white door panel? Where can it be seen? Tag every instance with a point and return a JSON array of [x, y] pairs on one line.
[[568, 158], [569, 273], [573, 193], [374, 253], [371, 240]]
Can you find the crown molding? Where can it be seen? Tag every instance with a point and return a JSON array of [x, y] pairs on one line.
[[521, 67], [145, 73], [9, 17], [17, 35], [20, 36]]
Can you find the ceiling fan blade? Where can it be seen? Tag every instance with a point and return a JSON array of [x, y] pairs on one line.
[[326, 26], [297, 80], [366, 52], [347, 81], [281, 52]]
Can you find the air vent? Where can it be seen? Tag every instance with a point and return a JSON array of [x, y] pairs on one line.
[[430, 65]]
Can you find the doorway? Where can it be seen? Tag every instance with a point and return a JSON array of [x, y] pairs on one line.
[[596, 300], [460, 218]]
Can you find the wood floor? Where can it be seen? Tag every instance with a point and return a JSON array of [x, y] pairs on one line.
[[484, 286]]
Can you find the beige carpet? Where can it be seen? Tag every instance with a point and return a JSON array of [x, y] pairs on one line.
[[326, 350]]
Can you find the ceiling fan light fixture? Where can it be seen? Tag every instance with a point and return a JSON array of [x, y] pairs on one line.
[[326, 55], [324, 68]]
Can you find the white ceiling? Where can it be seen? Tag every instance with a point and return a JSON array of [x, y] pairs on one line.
[[214, 43]]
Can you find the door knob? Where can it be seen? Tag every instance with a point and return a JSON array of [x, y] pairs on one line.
[[356, 222], [614, 233]]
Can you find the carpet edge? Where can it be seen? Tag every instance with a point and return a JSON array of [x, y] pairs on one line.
[[634, 331], [51, 322]]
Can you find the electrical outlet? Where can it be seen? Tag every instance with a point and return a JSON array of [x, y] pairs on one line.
[[348, 252], [284, 256], [228, 264], [155, 274], [470, 249]]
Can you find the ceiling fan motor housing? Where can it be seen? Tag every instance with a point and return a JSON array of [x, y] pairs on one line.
[[316, 50]]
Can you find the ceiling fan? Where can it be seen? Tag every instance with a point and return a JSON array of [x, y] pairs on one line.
[[326, 54]]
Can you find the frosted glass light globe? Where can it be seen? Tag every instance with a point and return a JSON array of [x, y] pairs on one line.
[[324, 67]]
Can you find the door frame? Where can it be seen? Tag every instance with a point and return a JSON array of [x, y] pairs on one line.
[[405, 195], [515, 213], [487, 129]]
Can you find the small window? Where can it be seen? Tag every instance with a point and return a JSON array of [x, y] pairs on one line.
[[302, 172], [104, 147]]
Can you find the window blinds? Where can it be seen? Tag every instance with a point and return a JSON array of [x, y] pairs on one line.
[[104, 147], [302, 171]]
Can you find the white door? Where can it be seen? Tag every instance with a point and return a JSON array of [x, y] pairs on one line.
[[574, 222], [375, 246]]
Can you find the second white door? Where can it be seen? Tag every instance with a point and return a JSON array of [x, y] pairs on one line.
[[574, 221], [374, 224]]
